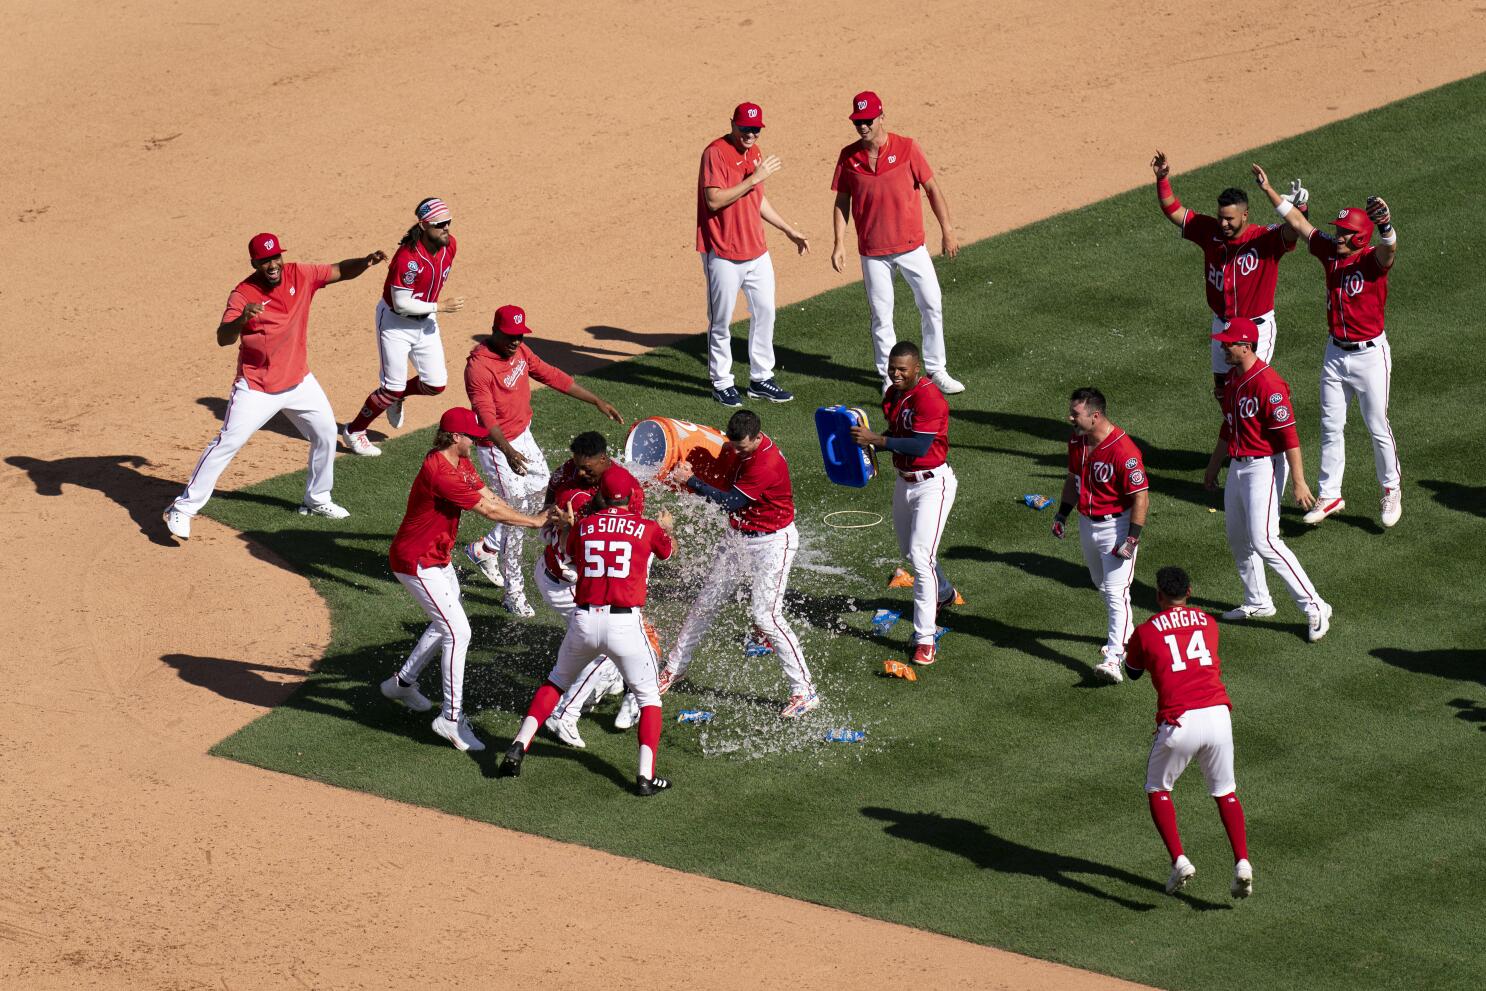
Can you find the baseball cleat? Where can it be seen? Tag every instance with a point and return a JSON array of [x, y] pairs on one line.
[[1323, 509], [901, 578], [798, 705], [565, 731], [1243, 880], [954, 598], [458, 733], [629, 712], [645, 787], [1181, 873], [663, 681], [515, 603], [1109, 670], [487, 561], [728, 397], [394, 415], [948, 384], [407, 695], [925, 654], [1392, 506], [510, 764], [327, 509], [178, 523], [359, 444], [1319, 624], [769, 389], [1238, 613]]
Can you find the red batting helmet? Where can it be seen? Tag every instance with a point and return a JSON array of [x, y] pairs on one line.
[[1358, 223]]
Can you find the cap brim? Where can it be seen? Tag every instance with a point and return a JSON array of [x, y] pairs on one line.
[[863, 116], [524, 329]]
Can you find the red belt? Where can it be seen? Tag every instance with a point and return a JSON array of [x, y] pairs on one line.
[[919, 476]]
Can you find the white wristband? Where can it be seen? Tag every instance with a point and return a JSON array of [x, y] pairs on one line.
[[1284, 207], [1390, 238]]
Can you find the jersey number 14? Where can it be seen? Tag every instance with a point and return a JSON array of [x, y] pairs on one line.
[[1196, 651], [597, 565]]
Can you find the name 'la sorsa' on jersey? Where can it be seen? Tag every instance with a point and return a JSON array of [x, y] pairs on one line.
[[611, 551]]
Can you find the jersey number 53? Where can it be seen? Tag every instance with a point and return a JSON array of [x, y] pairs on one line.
[[606, 560]]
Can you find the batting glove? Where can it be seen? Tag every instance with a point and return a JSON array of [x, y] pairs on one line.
[[1298, 194], [1127, 549], [1378, 211], [1058, 522]]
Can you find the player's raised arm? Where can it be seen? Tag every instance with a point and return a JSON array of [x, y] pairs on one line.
[[1170, 205], [1292, 208], [1387, 249], [353, 267]]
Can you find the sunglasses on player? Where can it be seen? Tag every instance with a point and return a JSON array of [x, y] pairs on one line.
[[444, 225], [750, 130]]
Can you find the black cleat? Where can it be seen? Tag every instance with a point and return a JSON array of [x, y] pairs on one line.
[[510, 764], [646, 787]]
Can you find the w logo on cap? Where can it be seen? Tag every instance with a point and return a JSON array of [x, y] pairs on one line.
[[518, 318], [861, 104], [268, 243], [1342, 215], [752, 111]]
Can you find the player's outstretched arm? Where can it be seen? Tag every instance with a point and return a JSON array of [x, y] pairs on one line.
[[604, 407], [772, 217], [353, 267], [949, 242], [840, 214], [1386, 251], [1292, 215], [491, 507], [1171, 207]]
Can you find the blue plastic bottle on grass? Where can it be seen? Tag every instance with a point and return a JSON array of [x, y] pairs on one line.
[[694, 716], [845, 736]]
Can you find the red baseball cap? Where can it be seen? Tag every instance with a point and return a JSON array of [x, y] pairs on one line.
[[1239, 330], [264, 246], [510, 320], [617, 484], [462, 420], [748, 115], [866, 106], [574, 499], [1356, 220]]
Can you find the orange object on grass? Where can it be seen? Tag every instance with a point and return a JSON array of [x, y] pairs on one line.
[[897, 669], [902, 578]]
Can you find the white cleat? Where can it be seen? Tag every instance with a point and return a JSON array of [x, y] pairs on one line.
[[329, 510], [948, 384], [1320, 623], [1323, 509], [487, 561], [394, 415], [359, 444], [178, 523], [1109, 670], [798, 705], [460, 734], [1240, 613], [629, 712], [1243, 880], [1181, 872], [565, 731], [1392, 506], [515, 603], [407, 695]]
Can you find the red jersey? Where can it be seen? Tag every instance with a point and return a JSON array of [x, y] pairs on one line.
[[736, 231], [1240, 273], [920, 410], [500, 388], [611, 550], [565, 487], [763, 477], [1356, 290], [272, 354], [431, 524], [884, 202], [419, 272], [555, 554], [1258, 419], [1179, 647], [1109, 473]]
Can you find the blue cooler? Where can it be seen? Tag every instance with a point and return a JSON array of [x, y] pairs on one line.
[[847, 462]]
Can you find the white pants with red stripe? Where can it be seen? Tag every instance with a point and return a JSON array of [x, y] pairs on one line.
[[599, 673], [764, 562], [1366, 376], [1251, 500], [1264, 349], [522, 492], [917, 269], [437, 591], [725, 278], [1206, 734], [596, 632], [919, 512], [400, 339], [248, 409], [1112, 575]]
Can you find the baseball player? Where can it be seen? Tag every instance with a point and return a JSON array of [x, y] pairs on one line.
[[408, 324], [760, 547], [267, 316], [731, 209], [1359, 362], [498, 377], [1179, 647], [918, 438], [1107, 482], [446, 484], [876, 182], [611, 550], [1240, 260], [1259, 437]]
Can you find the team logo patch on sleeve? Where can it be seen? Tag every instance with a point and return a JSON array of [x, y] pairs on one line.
[[1131, 464], [1137, 477], [1281, 413], [1276, 398]]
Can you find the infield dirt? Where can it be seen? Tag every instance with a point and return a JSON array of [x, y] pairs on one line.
[[144, 147]]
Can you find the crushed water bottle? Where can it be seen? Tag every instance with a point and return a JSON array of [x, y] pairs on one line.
[[883, 620], [694, 716], [845, 736], [1037, 501]]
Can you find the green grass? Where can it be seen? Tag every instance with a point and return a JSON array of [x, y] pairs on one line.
[[999, 799]]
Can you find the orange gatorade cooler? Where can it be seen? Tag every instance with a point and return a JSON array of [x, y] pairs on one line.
[[658, 444]]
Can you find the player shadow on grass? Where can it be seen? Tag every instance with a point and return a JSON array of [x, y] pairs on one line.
[[118, 477], [1452, 663], [983, 848], [1469, 499]]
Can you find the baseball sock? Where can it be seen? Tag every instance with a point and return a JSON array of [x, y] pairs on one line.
[[541, 707], [1163, 813], [375, 405], [417, 387], [649, 739], [1231, 812]]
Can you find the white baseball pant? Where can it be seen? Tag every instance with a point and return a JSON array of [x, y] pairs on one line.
[[765, 562], [725, 278], [1251, 501], [1367, 376], [437, 591], [919, 511], [1112, 575], [1206, 734], [248, 409], [917, 269], [1265, 349], [600, 672], [523, 493], [400, 339], [596, 631]]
